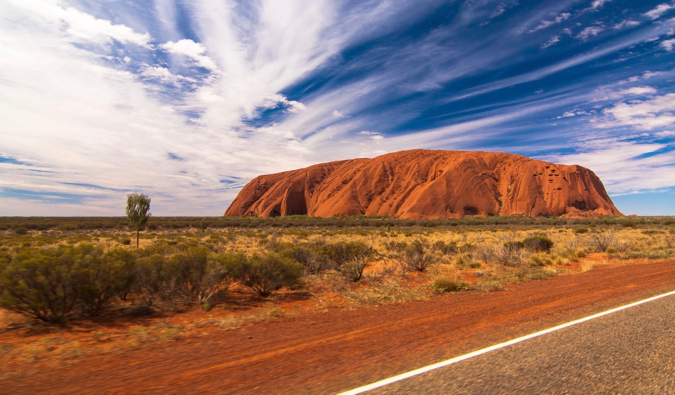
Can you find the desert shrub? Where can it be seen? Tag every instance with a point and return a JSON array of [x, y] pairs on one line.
[[534, 273], [41, 283], [514, 245], [154, 280], [601, 241], [267, 273], [125, 241], [448, 284], [416, 256], [445, 248], [538, 243], [489, 285], [21, 230], [396, 246], [538, 260], [580, 230], [349, 258], [101, 279], [198, 275], [314, 257]]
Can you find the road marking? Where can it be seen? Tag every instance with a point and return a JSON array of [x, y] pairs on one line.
[[482, 351]]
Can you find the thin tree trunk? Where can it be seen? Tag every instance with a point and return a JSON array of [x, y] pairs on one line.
[[137, 233]]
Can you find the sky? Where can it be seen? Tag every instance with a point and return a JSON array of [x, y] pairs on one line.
[[187, 101]]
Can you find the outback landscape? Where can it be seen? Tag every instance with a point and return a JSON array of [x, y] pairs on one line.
[[195, 278], [337, 197]]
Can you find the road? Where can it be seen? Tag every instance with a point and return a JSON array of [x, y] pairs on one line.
[[629, 352]]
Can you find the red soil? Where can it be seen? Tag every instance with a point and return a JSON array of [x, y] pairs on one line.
[[423, 184], [343, 349]]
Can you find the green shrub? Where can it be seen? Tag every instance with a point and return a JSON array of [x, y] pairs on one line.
[[198, 275], [267, 273], [101, 279], [125, 242], [21, 230], [349, 258], [41, 283], [538, 243], [154, 280], [446, 284]]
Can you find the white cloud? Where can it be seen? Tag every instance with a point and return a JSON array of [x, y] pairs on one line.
[[665, 133], [638, 90], [649, 74], [552, 41], [558, 19], [626, 23], [659, 10], [163, 74], [598, 3], [338, 114], [590, 31], [668, 44], [570, 114], [657, 112], [192, 50], [79, 26], [624, 166]]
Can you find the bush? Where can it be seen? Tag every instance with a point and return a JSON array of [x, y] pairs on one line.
[[41, 283], [21, 230], [153, 279], [199, 276], [313, 256], [350, 258], [600, 242], [100, 279], [446, 248], [125, 242], [538, 244], [446, 284], [267, 273], [415, 257]]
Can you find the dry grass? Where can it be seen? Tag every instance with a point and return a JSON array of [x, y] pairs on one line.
[[481, 260]]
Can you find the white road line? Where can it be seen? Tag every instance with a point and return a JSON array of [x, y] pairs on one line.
[[460, 358]]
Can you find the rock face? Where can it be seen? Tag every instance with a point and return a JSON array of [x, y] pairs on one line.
[[428, 184]]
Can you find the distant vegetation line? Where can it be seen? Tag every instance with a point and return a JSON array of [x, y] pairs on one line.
[[156, 223]]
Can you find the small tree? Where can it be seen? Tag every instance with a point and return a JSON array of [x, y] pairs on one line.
[[138, 207]]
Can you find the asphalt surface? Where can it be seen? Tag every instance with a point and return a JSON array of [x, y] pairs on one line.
[[628, 352]]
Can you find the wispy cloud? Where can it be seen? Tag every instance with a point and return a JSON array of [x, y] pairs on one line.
[[546, 23], [590, 31], [659, 10], [668, 44], [596, 4], [552, 41]]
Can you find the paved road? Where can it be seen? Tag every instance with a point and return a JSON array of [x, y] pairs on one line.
[[628, 352]]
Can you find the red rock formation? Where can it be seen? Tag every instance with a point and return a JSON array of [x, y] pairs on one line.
[[422, 184]]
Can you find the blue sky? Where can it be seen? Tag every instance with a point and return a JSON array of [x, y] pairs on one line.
[[186, 101]]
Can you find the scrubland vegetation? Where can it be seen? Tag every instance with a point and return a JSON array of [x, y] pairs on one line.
[[69, 270]]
